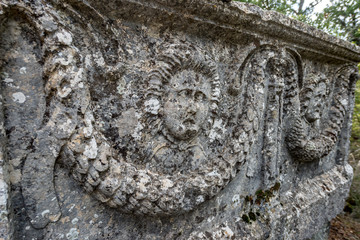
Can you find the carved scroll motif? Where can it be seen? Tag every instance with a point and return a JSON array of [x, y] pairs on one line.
[[307, 138]]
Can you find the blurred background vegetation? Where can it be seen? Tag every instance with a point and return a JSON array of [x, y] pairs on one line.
[[337, 17], [340, 18]]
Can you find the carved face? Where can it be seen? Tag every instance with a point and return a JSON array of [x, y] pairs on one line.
[[316, 103], [186, 104]]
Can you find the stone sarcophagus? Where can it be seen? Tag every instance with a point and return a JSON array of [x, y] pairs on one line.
[[170, 119]]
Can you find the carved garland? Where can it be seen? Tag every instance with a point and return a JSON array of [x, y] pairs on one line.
[[307, 150], [126, 186]]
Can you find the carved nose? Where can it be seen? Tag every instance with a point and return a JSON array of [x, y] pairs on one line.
[[192, 108]]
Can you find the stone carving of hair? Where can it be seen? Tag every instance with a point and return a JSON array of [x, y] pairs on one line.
[[177, 58]]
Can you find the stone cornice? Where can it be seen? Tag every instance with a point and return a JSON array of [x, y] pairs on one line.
[[233, 18]]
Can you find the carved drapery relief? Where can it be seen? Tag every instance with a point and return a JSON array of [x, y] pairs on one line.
[[61, 83]]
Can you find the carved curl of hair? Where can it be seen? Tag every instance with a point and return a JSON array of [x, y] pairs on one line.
[[180, 57]]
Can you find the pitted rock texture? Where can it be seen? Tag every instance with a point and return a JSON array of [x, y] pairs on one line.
[[170, 120]]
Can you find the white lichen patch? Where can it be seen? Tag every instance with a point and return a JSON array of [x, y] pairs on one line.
[[88, 61], [236, 199], [75, 221], [45, 212], [19, 97], [88, 130], [166, 184], [64, 37], [200, 199], [137, 132], [78, 76], [73, 234], [64, 58], [66, 126], [91, 149], [152, 106], [99, 59], [8, 80], [213, 174], [121, 85], [217, 131], [344, 102], [71, 207], [63, 93], [128, 124], [23, 70], [237, 147]]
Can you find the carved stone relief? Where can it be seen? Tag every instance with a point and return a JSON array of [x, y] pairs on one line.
[[160, 125], [180, 151], [174, 170], [308, 138]]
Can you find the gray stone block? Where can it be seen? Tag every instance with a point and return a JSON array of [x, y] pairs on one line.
[[181, 119]]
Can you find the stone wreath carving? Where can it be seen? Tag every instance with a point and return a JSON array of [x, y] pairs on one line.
[[307, 138], [174, 173], [181, 162], [184, 148]]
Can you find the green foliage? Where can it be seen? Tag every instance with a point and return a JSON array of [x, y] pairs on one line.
[[355, 132], [341, 18], [292, 8]]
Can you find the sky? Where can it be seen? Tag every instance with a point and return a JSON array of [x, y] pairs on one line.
[[320, 6]]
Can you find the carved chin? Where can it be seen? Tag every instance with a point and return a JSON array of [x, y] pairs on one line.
[[312, 117], [186, 133]]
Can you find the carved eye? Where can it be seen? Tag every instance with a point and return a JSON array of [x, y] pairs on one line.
[[199, 96], [185, 93]]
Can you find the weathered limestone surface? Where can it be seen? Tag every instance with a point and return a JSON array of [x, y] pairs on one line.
[[170, 119]]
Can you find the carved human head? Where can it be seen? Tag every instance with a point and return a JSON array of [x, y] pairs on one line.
[[185, 87], [313, 96], [186, 104]]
